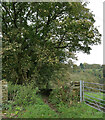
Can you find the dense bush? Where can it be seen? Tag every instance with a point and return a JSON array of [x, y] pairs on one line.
[[64, 95], [25, 96], [22, 94]]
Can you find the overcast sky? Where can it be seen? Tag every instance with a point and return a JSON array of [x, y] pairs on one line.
[[96, 54]]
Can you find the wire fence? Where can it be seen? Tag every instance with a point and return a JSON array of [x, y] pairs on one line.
[[93, 94]]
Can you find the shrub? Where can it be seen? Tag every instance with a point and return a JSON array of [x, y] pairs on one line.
[[26, 95], [64, 95], [22, 94], [12, 90]]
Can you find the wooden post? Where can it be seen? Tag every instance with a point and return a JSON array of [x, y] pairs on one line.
[[80, 91]]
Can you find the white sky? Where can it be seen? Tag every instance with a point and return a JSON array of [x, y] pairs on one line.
[[96, 54]]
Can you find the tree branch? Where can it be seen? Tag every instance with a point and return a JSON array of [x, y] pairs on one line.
[[36, 21], [15, 15], [7, 11], [61, 39]]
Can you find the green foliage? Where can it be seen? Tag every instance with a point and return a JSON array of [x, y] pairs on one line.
[[23, 107], [25, 96], [35, 36], [6, 106], [60, 76], [27, 104], [12, 90], [38, 111], [90, 66], [79, 110], [22, 94], [90, 73], [64, 95]]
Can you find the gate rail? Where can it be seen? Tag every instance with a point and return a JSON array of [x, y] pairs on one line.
[[89, 96]]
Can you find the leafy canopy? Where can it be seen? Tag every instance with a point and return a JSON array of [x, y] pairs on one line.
[[38, 36]]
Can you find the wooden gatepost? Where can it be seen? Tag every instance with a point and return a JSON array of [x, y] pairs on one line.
[[4, 91], [3, 94], [75, 87], [75, 84]]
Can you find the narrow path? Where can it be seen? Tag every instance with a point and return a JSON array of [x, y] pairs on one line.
[[52, 106]]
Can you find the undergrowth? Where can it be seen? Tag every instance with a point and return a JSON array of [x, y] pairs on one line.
[[25, 103]]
